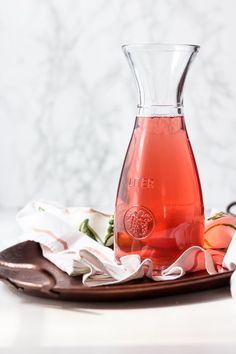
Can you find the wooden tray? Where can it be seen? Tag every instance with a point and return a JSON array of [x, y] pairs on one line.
[[23, 267]]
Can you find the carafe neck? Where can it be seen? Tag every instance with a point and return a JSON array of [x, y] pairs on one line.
[[160, 110], [160, 71]]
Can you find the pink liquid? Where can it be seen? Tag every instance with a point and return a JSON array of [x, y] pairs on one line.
[[159, 207]]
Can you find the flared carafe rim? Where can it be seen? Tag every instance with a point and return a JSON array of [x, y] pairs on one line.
[[164, 47]]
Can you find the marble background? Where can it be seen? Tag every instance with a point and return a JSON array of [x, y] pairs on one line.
[[68, 100]]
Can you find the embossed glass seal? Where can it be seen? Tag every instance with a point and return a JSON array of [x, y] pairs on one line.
[[139, 221]]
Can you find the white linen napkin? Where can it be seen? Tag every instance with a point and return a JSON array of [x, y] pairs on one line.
[[74, 240]]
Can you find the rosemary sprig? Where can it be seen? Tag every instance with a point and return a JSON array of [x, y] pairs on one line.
[[89, 231], [109, 233], [219, 215]]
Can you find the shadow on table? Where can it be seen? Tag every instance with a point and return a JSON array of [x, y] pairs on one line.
[[167, 301]]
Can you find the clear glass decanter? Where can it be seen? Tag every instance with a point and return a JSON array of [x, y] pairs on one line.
[[159, 208]]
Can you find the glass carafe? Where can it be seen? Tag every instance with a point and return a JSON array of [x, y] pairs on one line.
[[159, 208]]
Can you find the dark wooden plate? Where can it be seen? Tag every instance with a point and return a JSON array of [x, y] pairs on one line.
[[23, 267]]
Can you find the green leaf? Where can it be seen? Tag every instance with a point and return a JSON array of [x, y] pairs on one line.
[[89, 231], [40, 208], [109, 237], [219, 215]]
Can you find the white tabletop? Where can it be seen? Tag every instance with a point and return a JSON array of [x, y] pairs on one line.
[[203, 322]]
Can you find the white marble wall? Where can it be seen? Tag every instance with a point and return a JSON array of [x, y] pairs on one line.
[[67, 98]]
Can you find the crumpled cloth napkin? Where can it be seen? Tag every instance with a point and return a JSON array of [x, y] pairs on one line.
[[78, 241]]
